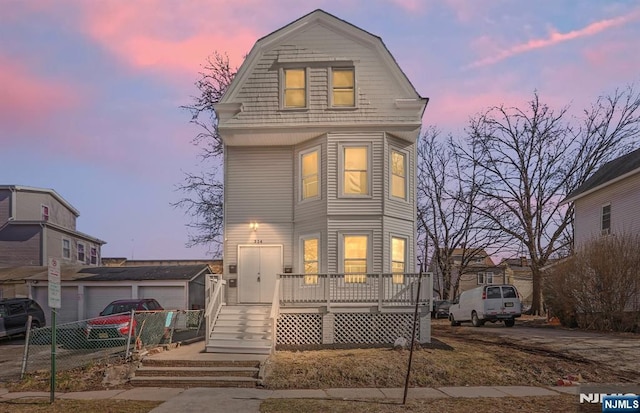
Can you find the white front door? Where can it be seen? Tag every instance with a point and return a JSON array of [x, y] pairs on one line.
[[258, 269]]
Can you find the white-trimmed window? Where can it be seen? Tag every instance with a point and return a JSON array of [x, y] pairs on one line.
[[310, 174], [343, 86], [355, 168], [398, 168], [605, 220], [311, 259], [355, 258], [485, 278], [66, 248], [294, 88], [45, 212], [81, 254], [398, 259], [93, 251]]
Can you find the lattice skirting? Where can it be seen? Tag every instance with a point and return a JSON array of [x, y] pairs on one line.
[[345, 328], [299, 329]]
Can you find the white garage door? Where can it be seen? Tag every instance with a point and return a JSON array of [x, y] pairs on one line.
[[68, 311], [169, 297], [96, 298]]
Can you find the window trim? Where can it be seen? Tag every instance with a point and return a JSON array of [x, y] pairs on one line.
[[405, 154], [68, 241], [301, 197], [341, 169], [483, 278], [331, 88], [398, 278], [45, 212], [93, 249], [283, 89], [310, 281], [341, 258], [607, 230]]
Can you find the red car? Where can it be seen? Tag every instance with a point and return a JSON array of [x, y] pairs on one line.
[[115, 319]]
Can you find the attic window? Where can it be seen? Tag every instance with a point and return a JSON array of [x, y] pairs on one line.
[[343, 83], [45, 213], [294, 88]]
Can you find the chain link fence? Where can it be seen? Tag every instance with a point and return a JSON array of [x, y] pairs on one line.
[[102, 338]]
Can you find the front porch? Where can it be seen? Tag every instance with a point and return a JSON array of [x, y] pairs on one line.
[[331, 309]]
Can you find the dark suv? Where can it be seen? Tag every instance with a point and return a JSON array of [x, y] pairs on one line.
[[14, 313], [115, 319]]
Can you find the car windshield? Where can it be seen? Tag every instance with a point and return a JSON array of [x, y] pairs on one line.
[[118, 308]]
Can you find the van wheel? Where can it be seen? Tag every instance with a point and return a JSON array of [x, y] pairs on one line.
[[475, 320], [509, 323], [454, 323], [35, 324]]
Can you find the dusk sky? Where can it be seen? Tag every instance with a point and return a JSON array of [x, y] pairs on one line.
[[90, 91]]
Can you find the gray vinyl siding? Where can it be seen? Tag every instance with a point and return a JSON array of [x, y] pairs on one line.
[[403, 209], [29, 208], [314, 49], [402, 228], [311, 209], [21, 245], [354, 225], [624, 197], [5, 206], [338, 205]]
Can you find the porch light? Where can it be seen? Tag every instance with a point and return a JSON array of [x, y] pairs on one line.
[[254, 226]]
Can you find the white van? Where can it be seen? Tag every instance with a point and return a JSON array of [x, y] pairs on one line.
[[487, 303]]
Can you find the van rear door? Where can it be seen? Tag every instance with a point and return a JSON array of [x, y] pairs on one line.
[[511, 302], [492, 300]]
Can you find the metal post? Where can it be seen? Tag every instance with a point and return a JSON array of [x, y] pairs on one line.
[[25, 354], [413, 337], [53, 356]]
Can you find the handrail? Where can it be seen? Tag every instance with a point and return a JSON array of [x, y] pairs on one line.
[[274, 314], [215, 286]]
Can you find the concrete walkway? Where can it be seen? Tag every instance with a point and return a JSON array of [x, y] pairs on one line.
[[248, 400]]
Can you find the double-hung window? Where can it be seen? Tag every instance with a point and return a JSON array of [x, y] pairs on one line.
[[310, 174], [485, 278], [343, 86], [311, 253], [605, 220], [294, 89], [398, 259], [66, 248], [398, 174], [355, 256], [81, 255], [45, 213], [94, 255], [356, 170]]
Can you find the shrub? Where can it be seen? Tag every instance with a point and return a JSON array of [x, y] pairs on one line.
[[599, 286]]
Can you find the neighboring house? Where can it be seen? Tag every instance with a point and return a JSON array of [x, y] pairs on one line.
[[471, 267], [518, 272], [37, 224], [608, 202], [319, 129], [215, 266]]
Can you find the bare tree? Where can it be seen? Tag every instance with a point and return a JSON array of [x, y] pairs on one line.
[[203, 192], [529, 160], [447, 222]]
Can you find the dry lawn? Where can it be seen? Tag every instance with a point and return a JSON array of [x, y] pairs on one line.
[[80, 406]]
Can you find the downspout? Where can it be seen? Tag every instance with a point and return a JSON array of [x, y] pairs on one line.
[[43, 245], [14, 198]]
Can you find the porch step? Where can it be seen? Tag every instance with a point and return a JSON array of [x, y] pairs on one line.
[[197, 372], [202, 381], [242, 329]]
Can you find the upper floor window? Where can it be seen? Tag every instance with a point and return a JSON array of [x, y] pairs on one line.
[[310, 251], [355, 256], [81, 255], [398, 175], [45, 213], [605, 222], [94, 255], [343, 87], [310, 176], [295, 88], [398, 259], [485, 278], [66, 248], [355, 170]]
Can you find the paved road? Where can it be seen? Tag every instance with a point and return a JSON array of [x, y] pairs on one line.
[[619, 351], [11, 351]]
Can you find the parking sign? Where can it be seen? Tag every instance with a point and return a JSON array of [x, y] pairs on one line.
[[54, 283]]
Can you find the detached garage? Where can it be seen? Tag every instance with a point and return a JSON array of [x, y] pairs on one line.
[[87, 291]]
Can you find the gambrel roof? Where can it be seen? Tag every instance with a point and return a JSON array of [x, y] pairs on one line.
[[611, 172]]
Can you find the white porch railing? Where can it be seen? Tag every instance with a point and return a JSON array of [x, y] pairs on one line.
[[214, 291], [384, 290], [275, 313]]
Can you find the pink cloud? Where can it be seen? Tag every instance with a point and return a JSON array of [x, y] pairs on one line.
[[413, 6], [29, 100], [556, 37]]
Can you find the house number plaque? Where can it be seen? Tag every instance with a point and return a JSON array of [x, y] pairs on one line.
[[257, 241]]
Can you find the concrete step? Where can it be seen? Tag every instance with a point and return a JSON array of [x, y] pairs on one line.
[[239, 346], [203, 381], [149, 362], [197, 372]]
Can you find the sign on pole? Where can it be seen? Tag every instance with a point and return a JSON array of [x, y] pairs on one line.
[[54, 283]]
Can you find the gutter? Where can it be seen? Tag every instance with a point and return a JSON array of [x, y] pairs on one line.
[[599, 187]]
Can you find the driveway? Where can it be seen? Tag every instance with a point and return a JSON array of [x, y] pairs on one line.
[[613, 350], [11, 352]]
